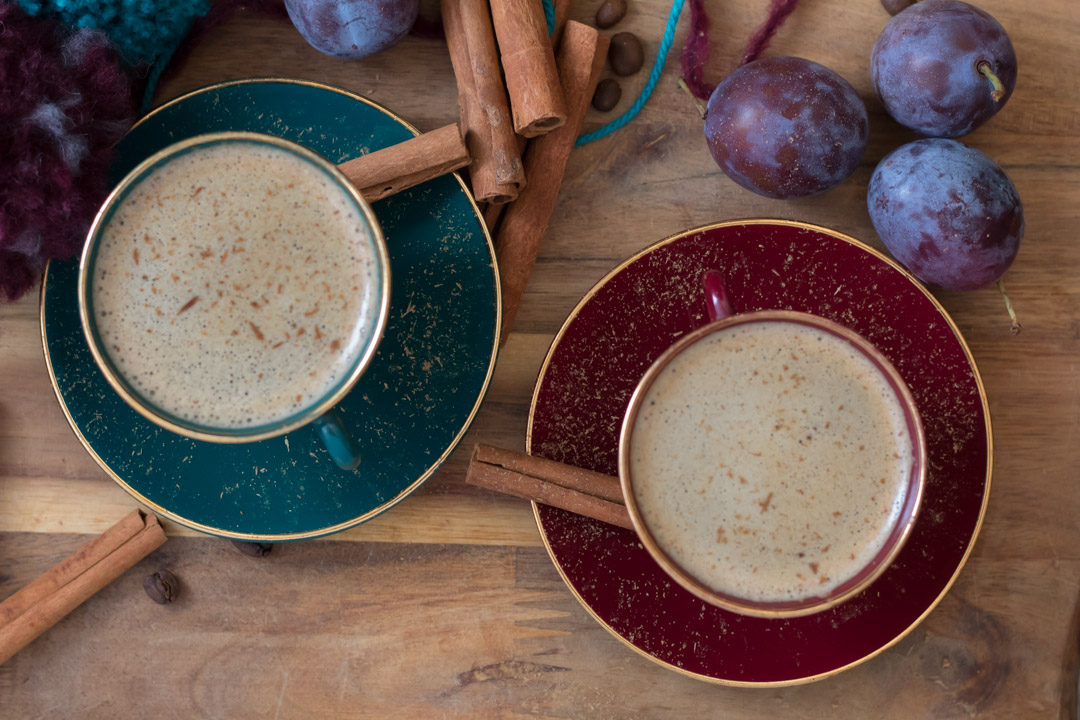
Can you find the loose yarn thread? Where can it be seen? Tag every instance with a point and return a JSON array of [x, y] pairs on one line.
[[778, 13], [696, 50], [694, 56], [654, 77]]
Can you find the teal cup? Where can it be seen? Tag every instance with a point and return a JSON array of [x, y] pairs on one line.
[[233, 288]]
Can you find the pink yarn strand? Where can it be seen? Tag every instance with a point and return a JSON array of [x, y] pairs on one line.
[[696, 50], [778, 13]]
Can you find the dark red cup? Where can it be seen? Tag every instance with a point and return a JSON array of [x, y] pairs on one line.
[[723, 319]]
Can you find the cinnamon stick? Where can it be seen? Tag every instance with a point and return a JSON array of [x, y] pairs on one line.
[[581, 57], [71, 567], [492, 212], [495, 170], [43, 602], [406, 164], [537, 101], [544, 481], [562, 14]]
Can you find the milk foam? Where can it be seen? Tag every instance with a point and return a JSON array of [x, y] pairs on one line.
[[236, 285], [771, 460]]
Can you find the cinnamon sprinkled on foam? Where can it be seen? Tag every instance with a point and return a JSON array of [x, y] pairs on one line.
[[242, 213], [187, 305], [746, 483]]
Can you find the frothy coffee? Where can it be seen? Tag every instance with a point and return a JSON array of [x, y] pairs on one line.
[[236, 285], [771, 461]]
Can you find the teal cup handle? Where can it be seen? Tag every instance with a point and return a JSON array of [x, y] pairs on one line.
[[342, 448]]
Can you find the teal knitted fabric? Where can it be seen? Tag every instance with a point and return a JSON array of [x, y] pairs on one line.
[[141, 30]]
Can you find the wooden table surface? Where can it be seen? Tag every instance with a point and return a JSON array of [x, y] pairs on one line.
[[448, 605]]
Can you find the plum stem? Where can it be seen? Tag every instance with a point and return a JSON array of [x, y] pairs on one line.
[[987, 72], [697, 103], [1015, 329]]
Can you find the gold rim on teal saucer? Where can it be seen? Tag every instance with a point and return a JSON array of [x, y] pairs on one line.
[[405, 492]]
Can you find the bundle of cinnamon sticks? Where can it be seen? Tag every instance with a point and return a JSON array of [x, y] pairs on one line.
[[522, 108], [43, 602]]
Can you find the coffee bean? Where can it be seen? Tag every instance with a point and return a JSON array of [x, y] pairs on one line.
[[253, 549], [894, 6], [162, 587], [626, 55], [607, 95], [611, 12]]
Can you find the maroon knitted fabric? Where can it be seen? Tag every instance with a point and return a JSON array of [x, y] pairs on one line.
[[64, 102]]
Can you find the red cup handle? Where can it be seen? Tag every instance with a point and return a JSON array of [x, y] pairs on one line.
[[717, 300]]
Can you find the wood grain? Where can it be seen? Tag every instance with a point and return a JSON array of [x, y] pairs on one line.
[[447, 605]]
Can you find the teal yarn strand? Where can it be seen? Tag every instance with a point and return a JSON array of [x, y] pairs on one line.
[[549, 15], [141, 30], [654, 78]]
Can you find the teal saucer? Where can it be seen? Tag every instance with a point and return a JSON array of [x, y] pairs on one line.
[[407, 412]]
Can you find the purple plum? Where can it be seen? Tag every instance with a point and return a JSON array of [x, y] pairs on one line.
[[786, 127], [943, 67], [947, 212], [352, 28]]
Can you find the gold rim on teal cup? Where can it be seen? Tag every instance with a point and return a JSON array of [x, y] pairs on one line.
[[319, 412]]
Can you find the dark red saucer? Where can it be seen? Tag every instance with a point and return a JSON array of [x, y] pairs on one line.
[[643, 306]]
